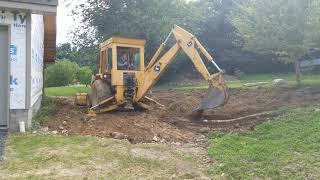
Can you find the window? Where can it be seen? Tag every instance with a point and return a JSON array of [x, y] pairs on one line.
[[109, 59], [128, 58]]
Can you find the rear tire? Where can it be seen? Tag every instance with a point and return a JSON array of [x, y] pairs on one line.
[[101, 90]]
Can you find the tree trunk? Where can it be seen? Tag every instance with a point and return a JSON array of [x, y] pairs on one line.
[[298, 71]]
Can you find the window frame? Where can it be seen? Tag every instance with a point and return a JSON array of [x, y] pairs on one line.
[[139, 49]]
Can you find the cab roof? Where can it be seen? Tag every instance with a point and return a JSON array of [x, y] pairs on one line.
[[123, 40]]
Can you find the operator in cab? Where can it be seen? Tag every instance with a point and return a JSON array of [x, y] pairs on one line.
[[123, 63]]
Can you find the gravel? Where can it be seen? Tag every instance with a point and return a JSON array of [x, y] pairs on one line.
[[3, 137]]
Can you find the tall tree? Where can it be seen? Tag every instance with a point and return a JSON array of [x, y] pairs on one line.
[[218, 30], [287, 29], [218, 33], [147, 19], [65, 51], [83, 56]]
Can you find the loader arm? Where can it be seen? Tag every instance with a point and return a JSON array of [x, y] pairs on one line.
[[191, 46]]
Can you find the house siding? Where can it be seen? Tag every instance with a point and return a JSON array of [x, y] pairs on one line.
[[27, 50], [18, 23]]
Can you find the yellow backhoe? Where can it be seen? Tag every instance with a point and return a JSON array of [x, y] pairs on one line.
[[124, 80]]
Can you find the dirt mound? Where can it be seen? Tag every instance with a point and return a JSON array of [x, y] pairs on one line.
[[244, 110], [185, 105]]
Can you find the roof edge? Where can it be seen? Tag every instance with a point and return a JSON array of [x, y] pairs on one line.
[[41, 2], [28, 6], [124, 40]]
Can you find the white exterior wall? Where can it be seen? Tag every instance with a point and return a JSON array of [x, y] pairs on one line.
[[37, 53], [26, 65], [26, 29], [18, 53], [18, 23]]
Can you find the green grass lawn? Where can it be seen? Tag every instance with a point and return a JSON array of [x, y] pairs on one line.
[[66, 91], [308, 80], [285, 148]]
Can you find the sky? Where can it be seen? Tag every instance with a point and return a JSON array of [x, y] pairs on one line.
[[65, 22]]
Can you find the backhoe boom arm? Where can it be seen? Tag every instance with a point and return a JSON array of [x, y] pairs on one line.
[[191, 46]]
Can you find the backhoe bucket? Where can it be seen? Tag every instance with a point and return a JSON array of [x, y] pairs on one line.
[[217, 94]]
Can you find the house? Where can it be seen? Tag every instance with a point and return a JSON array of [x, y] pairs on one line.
[[27, 41]]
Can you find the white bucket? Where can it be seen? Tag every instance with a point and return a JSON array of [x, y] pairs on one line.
[[22, 127]]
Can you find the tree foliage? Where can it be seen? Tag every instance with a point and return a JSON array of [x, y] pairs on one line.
[[65, 72], [147, 19], [62, 73], [66, 51], [241, 34], [83, 56], [218, 32], [287, 29], [84, 75]]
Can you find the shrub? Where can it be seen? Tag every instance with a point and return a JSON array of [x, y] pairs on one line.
[[84, 75], [62, 73]]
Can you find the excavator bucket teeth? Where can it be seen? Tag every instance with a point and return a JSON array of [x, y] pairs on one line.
[[217, 94]]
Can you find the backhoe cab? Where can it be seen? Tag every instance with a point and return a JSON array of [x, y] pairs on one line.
[[124, 80]]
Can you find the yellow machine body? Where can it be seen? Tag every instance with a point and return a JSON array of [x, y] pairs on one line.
[[115, 87]]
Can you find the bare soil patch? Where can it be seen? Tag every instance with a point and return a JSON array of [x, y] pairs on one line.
[[245, 109]]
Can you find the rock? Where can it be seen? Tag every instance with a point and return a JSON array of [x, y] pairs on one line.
[[156, 139], [117, 135], [64, 131], [205, 121], [204, 130], [54, 132], [317, 110], [34, 132], [280, 83], [45, 129], [162, 141], [61, 127], [255, 84], [237, 126], [64, 123], [174, 176]]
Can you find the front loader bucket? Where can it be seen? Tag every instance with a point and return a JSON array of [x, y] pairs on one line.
[[216, 96]]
